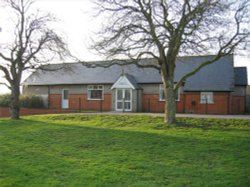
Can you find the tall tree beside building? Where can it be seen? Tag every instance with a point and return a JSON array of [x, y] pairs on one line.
[[34, 44], [164, 29]]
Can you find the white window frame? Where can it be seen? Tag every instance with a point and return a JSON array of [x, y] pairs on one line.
[[95, 87], [206, 97], [161, 92]]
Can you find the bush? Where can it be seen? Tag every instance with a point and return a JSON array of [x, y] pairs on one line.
[[25, 101], [4, 100], [31, 102]]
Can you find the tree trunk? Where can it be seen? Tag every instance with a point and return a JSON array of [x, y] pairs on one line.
[[167, 76], [170, 104], [14, 102]]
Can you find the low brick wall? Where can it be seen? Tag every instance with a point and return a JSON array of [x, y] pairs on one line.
[[4, 112]]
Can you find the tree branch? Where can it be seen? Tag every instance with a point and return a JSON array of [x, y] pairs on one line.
[[2, 83], [6, 73], [5, 58], [194, 71]]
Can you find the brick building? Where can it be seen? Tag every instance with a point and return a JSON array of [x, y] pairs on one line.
[[218, 88]]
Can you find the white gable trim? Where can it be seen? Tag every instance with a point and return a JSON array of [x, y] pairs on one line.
[[123, 82]]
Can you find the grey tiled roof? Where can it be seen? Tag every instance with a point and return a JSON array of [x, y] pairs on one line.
[[240, 74], [80, 74], [132, 81], [218, 76]]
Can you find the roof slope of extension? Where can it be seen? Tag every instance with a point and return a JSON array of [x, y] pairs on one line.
[[132, 80], [240, 74], [218, 76]]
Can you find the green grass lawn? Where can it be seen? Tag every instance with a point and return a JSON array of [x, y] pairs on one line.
[[120, 150]]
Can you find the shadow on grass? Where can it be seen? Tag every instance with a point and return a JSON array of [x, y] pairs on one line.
[[153, 122], [214, 124], [53, 153]]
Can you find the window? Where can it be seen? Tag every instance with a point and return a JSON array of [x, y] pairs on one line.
[[65, 99], [65, 94], [162, 94], [95, 92], [206, 97]]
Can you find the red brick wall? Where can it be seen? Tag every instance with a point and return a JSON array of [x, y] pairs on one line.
[[80, 102], [55, 101], [238, 104], [180, 105], [151, 103], [4, 112], [75, 101], [220, 106], [189, 103]]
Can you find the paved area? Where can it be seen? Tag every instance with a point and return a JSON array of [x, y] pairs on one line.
[[247, 117]]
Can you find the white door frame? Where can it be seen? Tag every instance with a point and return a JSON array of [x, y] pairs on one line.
[[65, 99], [123, 100]]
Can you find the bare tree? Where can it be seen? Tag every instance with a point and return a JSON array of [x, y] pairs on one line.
[[164, 29], [34, 44]]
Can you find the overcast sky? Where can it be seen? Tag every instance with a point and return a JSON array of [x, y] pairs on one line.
[[77, 23]]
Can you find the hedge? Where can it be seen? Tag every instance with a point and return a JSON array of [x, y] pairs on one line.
[[4, 100], [25, 101]]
